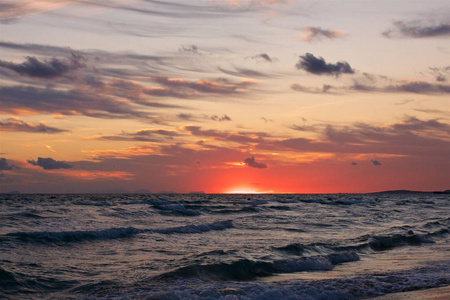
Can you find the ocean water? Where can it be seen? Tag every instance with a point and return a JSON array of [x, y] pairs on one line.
[[222, 246]]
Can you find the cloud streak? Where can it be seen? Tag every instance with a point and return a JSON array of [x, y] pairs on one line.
[[417, 29], [12, 124], [311, 33]]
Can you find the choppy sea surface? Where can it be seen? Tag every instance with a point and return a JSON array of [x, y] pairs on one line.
[[222, 246]]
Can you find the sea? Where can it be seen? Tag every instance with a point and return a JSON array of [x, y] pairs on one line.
[[222, 246]]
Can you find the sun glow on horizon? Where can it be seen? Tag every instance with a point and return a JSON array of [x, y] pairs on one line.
[[243, 190]]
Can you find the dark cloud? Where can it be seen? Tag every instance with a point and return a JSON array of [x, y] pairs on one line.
[[417, 29], [316, 33], [46, 69], [18, 98], [4, 166], [251, 162], [376, 162], [354, 163], [49, 163], [318, 66], [18, 125]]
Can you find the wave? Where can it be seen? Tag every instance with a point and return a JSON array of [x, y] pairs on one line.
[[380, 243], [112, 233], [333, 201], [176, 209], [351, 287], [364, 243], [197, 228], [75, 236], [254, 202], [244, 270], [93, 203], [245, 209]]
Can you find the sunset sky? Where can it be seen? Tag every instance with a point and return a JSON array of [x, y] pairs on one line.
[[279, 96]]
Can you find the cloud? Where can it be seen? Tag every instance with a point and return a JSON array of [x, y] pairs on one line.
[[220, 86], [410, 137], [354, 163], [376, 162], [239, 72], [403, 86], [190, 49], [325, 89], [262, 57], [266, 120], [145, 135], [441, 74], [49, 163], [217, 118], [185, 117], [236, 136], [417, 29], [316, 33], [251, 162], [4, 166], [46, 69], [318, 66], [12, 124], [12, 10], [30, 100]]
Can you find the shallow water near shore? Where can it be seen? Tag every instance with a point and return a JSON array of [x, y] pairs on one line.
[[223, 246]]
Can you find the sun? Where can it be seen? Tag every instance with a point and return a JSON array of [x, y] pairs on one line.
[[245, 190]]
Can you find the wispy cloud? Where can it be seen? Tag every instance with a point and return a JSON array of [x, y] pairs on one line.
[[418, 29], [13, 124], [262, 57], [311, 33], [363, 85], [219, 86], [29, 100], [231, 136], [324, 89], [13, 10], [145, 135]]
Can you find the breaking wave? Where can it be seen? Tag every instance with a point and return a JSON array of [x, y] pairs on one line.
[[244, 270]]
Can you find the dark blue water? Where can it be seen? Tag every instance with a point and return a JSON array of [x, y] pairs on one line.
[[222, 246]]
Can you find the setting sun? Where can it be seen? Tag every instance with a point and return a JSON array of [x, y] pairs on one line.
[[244, 190]]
